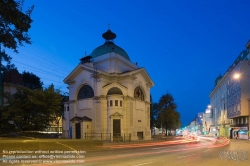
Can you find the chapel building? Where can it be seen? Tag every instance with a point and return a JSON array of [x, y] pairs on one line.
[[109, 96]]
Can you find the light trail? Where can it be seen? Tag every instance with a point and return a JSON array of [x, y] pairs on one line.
[[191, 147], [148, 144], [186, 156], [143, 164]]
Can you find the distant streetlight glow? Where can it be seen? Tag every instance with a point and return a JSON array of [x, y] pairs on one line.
[[236, 76]]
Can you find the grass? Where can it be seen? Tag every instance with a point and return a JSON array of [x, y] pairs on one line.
[[47, 144]]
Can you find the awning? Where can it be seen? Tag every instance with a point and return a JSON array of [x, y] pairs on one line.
[[80, 119]]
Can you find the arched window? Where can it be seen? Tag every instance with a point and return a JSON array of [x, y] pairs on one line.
[[114, 91], [85, 92], [138, 94]]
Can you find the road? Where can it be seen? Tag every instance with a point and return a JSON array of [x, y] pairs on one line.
[[207, 152]]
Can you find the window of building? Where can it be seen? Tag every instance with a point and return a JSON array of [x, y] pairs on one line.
[[111, 103], [120, 103], [242, 121], [85, 92], [116, 102], [246, 121], [67, 108], [107, 103]]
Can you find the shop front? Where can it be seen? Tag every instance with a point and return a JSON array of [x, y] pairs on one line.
[[239, 133], [224, 131]]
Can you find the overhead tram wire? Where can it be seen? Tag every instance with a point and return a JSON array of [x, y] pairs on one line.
[[45, 64], [42, 72], [42, 75], [57, 84], [54, 82], [46, 78], [46, 72], [61, 68]]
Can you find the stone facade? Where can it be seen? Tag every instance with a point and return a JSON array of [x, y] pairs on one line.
[[229, 99], [109, 97]]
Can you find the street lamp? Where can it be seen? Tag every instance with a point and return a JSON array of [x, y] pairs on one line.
[[236, 76], [243, 88]]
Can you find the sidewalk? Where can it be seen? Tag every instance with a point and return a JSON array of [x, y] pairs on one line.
[[240, 140], [168, 138]]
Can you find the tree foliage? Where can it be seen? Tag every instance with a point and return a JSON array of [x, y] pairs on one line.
[[14, 24], [29, 110], [168, 117], [31, 81], [153, 113]]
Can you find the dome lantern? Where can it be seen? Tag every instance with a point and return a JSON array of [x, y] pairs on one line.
[[109, 36], [109, 46]]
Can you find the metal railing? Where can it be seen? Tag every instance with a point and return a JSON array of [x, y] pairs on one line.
[[122, 137]]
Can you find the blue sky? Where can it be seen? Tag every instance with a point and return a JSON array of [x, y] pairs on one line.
[[184, 45]]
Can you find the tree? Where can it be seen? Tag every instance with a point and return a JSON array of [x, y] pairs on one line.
[[31, 110], [153, 113], [168, 116], [31, 81], [14, 26]]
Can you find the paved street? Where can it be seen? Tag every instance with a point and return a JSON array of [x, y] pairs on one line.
[[208, 152]]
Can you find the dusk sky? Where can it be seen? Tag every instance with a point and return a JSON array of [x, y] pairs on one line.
[[183, 44]]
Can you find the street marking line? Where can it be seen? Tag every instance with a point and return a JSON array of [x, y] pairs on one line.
[[164, 150], [206, 150], [66, 146], [143, 164], [186, 156], [124, 155]]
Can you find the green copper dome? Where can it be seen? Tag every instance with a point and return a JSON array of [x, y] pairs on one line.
[[109, 46]]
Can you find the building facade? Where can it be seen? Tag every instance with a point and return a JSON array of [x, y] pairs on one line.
[[230, 97], [109, 96], [207, 122], [218, 111]]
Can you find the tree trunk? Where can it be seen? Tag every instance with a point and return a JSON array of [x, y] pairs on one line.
[[166, 126]]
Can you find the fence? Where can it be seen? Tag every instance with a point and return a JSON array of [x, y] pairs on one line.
[[108, 136]]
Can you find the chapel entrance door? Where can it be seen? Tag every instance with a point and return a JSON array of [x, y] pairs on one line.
[[78, 130], [116, 127]]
